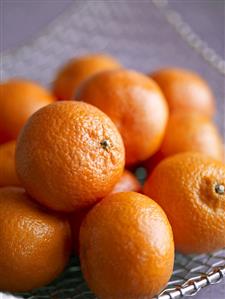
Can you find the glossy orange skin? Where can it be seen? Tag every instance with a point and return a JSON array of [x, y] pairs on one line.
[[60, 158], [77, 70], [34, 246], [135, 104], [127, 182], [191, 132], [19, 99], [185, 91], [8, 176], [184, 186], [126, 247]]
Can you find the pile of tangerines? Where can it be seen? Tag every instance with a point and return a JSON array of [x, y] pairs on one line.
[[64, 187]]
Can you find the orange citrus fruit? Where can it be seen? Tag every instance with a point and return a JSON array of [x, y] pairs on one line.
[[126, 247], [8, 176], [71, 75], [185, 91], [69, 155], [18, 100], [135, 104], [188, 132], [34, 245], [190, 187], [191, 132]]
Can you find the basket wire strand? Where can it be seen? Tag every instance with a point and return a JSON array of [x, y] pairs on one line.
[[99, 26], [191, 273]]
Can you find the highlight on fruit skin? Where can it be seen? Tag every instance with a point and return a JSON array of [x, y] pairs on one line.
[[190, 188], [126, 247], [35, 245], [8, 176], [60, 159], [185, 91], [79, 69], [135, 104], [19, 99]]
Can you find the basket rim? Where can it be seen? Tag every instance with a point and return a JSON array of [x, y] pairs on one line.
[[193, 285]]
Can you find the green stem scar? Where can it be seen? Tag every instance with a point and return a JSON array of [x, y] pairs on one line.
[[220, 189], [105, 144]]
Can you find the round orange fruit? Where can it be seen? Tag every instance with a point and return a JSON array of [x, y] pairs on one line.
[[185, 91], [188, 132], [69, 155], [8, 176], [190, 187], [126, 247], [135, 104], [71, 75], [19, 99], [191, 132], [34, 246]]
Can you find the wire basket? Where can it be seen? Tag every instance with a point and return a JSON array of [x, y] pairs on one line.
[[191, 273], [123, 29]]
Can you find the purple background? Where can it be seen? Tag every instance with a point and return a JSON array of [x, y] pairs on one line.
[[23, 20]]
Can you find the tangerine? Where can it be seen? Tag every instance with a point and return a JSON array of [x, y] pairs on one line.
[[69, 155], [34, 245], [19, 99], [185, 91], [191, 132], [190, 187], [126, 247], [135, 104], [77, 70]]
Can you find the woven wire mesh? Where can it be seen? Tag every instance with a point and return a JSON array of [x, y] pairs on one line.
[[124, 31], [71, 285]]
